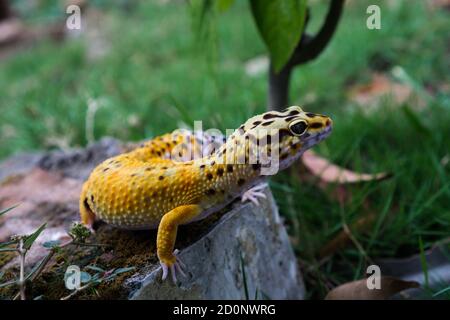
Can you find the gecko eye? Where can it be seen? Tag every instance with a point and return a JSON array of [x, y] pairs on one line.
[[298, 128]]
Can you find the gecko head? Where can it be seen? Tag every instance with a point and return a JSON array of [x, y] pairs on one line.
[[289, 132]]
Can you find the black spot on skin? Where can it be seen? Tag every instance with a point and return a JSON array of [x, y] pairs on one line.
[[289, 119], [283, 156], [164, 168], [86, 204], [141, 145], [224, 151], [92, 198], [148, 169], [180, 154], [209, 176], [158, 153], [202, 166], [241, 128], [284, 133], [171, 199], [315, 125], [229, 168], [311, 115], [256, 166], [106, 169], [210, 192], [240, 182], [293, 112], [212, 163], [270, 116], [267, 123], [220, 172], [133, 175], [163, 150], [256, 123], [160, 177], [168, 144]]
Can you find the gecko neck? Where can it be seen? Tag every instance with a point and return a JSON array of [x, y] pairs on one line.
[[230, 168]]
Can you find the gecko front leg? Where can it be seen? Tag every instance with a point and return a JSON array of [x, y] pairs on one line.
[[254, 193], [167, 234]]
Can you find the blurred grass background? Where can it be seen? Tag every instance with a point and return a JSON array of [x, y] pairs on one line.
[[140, 63]]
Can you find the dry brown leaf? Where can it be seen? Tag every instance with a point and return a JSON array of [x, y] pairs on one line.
[[42, 197], [380, 85], [331, 173], [358, 290], [439, 4], [10, 30], [36, 192], [40, 186], [343, 239]]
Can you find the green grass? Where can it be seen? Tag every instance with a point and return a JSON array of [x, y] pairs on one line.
[[154, 79]]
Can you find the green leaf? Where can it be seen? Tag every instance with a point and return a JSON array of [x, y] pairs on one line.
[[8, 243], [224, 5], [123, 270], [2, 212], [35, 268], [423, 262], [94, 268], [5, 284], [204, 25], [280, 23], [415, 121], [32, 237], [441, 292]]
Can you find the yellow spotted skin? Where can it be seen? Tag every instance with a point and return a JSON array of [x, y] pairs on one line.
[[168, 181]]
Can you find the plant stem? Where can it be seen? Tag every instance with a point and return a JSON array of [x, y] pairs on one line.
[[307, 49], [76, 291], [22, 253]]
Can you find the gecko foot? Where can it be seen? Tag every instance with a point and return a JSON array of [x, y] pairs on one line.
[[254, 193], [174, 268]]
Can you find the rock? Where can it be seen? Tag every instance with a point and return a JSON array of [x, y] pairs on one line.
[[78, 163], [241, 252], [246, 255]]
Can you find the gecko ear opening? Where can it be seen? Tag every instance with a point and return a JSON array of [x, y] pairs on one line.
[[298, 128]]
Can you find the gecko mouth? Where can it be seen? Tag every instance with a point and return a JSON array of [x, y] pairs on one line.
[[310, 140]]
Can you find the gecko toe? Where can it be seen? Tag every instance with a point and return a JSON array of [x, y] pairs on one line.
[[173, 272], [254, 193], [165, 270], [173, 268]]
